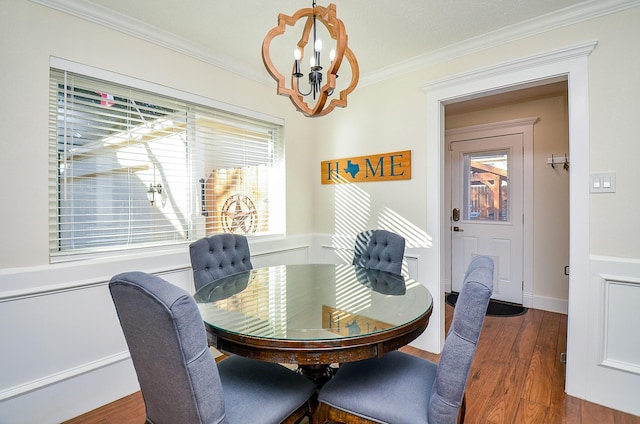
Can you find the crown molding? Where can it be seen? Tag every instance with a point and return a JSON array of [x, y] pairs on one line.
[[548, 22], [116, 21], [100, 15]]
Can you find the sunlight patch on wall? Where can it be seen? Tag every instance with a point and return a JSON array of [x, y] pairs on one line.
[[352, 210], [392, 221], [352, 213]]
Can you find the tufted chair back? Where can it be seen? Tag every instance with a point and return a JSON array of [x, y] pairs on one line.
[[179, 379], [379, 249], [178, 376], [217, 256], [403, 388], [460, 345]]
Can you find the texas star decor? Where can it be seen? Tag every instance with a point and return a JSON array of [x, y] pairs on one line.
[[380, 167]]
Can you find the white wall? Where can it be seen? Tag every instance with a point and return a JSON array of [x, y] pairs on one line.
[[30, 35], [393, 115], [69, 348], [63, 353]]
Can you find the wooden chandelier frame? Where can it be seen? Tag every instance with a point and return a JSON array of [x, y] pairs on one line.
[[335, 27]]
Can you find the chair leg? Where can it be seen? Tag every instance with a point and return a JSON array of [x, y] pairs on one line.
[[463, 409], [299, 414], [321, 414], [211, 338]]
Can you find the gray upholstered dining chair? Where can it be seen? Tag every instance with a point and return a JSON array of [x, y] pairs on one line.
[[379, 249], [217, 256], [179, 379], [399, 388]]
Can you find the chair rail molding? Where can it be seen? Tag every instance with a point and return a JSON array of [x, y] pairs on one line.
[[63, 375]]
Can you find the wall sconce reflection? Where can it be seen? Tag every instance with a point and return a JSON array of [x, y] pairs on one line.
[[151, 193]]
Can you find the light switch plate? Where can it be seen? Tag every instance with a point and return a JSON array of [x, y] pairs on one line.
[[602, 182]]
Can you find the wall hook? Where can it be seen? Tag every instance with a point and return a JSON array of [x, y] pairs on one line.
[[553, 161]]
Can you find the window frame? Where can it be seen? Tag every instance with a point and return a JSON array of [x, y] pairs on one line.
[[196, 230]]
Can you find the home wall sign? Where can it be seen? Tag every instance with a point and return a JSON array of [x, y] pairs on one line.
[[360, 169]]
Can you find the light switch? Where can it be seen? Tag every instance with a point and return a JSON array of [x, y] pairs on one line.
[[603, 182]]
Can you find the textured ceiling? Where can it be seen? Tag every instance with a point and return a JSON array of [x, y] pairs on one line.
[[381, 33]]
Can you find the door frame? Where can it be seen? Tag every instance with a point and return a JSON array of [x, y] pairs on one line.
[[567, 63], [522, 126]]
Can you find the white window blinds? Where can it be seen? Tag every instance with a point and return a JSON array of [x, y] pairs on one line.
[[130, 168], [241, 174]]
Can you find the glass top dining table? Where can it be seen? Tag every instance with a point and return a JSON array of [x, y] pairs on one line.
[[313, 315]]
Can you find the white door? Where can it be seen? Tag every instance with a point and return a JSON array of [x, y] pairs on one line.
[[487, 210]]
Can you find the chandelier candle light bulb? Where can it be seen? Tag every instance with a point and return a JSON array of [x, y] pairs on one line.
[[318, 47], [297, 55]]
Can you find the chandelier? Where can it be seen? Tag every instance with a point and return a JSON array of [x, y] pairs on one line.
[[322, 81]]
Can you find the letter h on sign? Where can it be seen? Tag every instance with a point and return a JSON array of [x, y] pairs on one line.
[[332, 173]]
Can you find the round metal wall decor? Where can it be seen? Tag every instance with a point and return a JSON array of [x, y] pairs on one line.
[[239, 215]]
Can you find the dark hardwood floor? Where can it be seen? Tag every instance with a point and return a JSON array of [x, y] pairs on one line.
[[517, 377]]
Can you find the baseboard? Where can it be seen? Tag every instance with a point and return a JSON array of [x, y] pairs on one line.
[[549, 304], [70, 393], [61, 376], [529, 300]]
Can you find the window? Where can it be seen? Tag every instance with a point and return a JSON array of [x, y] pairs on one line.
[[133, 168], [486, 193]]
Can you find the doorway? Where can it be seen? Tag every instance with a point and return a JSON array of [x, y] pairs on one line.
[[571, 64], [538, 193]]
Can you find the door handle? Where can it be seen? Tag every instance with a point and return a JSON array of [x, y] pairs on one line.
[[456, 214], [458, 229]]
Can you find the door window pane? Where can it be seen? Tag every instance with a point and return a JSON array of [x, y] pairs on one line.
[[486, 186]]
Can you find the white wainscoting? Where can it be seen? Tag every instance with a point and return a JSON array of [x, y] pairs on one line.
[[613, 356], [619, 286], [621, 347], [63, 350]]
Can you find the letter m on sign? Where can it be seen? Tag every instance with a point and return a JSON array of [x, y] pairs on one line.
[[374, 171]]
